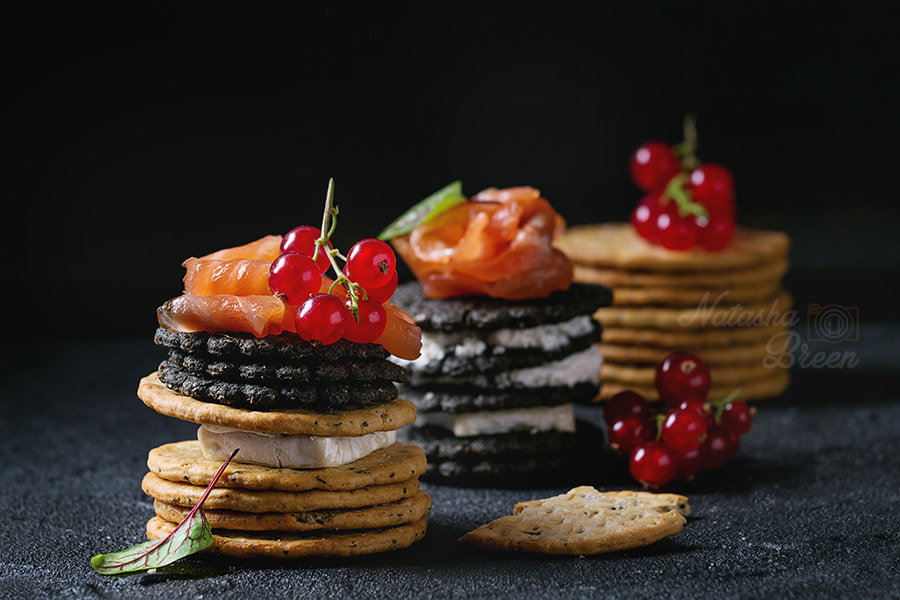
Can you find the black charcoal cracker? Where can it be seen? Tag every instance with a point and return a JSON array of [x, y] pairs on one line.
[[441, 445], [488, 314], [461, 399], [247, 370], [284, 346], [496, 359], [324, 396]]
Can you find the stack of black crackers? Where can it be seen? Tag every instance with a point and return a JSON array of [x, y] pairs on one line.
[[497, 381], [277, 371]]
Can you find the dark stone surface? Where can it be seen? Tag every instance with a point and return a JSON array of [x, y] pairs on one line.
[[809, 508]]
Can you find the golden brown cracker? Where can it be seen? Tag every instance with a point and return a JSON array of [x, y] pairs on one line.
[[184, 462], [644, 376], [617, 245], [402, 511], [263, 501], [713, 337], [690, 297], [362, 421], [585, 521], [765, 273], [769, 387], [651, 355], [273, 544]]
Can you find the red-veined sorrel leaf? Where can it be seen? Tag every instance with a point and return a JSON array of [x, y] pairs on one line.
[[192, 535]]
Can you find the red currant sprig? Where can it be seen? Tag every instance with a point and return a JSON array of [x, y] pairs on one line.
[[296, 278], [690, 436], [688, 203]]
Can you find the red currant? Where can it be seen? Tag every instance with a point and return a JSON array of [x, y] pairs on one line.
[[629, 432], [737, 417], [652, 165], [625, 403], [653, 464], [303, 240], [383, 294], [372, 321], [293, 277], [643, 218], [682, 375], [674, 231], [690, 463], [720, 445], [321, 318], [713, 186], [696, 405], [715, 233], [684, 430], [371, 263]]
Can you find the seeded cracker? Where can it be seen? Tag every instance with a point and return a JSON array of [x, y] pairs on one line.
[[262, 501], [183, 462], [402, 511], [273, 544], [585, 521]]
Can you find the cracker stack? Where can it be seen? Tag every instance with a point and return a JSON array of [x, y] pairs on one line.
[[727, 307], [497, 380], [319, 472]]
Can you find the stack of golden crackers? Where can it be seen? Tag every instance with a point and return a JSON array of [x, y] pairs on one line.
[[727, 307], [370, 505]]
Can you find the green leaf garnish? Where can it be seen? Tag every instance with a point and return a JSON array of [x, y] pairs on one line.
[[442, 200], [192, 535]]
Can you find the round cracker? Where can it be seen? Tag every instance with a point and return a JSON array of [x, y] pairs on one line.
[[238, 544], [356, 422], [648, 355], [698, 338], [722, 374], [184, 462], [262, 501], [769, 387], [765, 273], [687, 297], [617, 245], [385, 515], [711, 313]]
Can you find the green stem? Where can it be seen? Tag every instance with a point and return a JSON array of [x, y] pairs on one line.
[[660, 419], [719, 405], [676, 190], [329, 224]]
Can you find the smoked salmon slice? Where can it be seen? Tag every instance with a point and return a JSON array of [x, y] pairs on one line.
[[239, 277], [499, 244], [265, 248]]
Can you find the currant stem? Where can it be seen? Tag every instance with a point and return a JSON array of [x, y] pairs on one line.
[[719, 405], [329, 224], [675, 190]]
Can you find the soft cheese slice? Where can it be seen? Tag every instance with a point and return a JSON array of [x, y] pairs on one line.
[[540, 418], [289, 451]]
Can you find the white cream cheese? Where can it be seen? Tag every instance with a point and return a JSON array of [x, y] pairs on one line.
[[550, 337], [289, 451], [539, 418]]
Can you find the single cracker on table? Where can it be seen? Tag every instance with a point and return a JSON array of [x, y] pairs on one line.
[[721, 374], [184, 462], [689, 297], [771, 386], [617, 245], [649, 355], [265, 501], [369, 517], [273, 544], [765, 273], [385, 417], [698, 338], [585, 521], [776, 311]]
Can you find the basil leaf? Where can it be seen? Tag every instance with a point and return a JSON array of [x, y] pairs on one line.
[[192, 535], [442, 200]]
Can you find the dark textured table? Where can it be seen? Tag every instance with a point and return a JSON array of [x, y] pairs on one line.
[[809, 508]]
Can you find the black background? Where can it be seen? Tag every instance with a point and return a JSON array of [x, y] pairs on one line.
[[145, 134]]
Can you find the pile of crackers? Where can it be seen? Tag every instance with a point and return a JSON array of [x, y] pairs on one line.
[[728, 307], [371, 504]]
